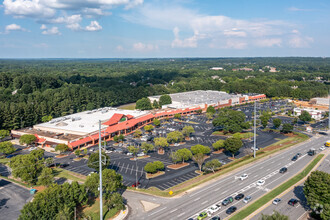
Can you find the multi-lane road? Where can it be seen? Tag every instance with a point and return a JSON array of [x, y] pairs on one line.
[[193, 203]]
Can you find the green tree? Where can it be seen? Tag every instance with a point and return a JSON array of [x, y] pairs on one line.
[[46, 118], [148, 128], [49, 161], [161, 142], [237, 135], [182, 155], [218, 144], [77, 152], [61, 148], [121, 137], [155, 104], [200, 149], [233, 145], [150, 168], [3, 134], [156, 122], [143, 104], [133, 150], [165, 100], [187, 130], [7, 147], [275, 216], [114, 200], [199, 111], [159, 165], [174, 137], [317, 191], [147, 147], [230, 120], [287, 128], [27, 139], [116, 138], [277, 122], [265, 116], [46, 177], [137, 133], [305, 116], [85, 151], [211, 110], [209, 115], [38, 154], [212, 165], [295, 120], [93, 161], [177, 116]]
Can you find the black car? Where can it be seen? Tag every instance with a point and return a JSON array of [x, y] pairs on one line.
[[323, 133], [283, 170], [150, 138], [231, 210], [227, 201], [63, 165], [215, 218], [294, 158], [239, 196], [111, 148], [293, 202]]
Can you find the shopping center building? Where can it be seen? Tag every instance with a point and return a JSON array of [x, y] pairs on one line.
[[81, 129]]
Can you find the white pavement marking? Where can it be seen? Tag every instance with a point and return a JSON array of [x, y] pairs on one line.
[[204, 202], [224, 192], [122, 167], [157, 211], [196, 199], [173, 210], [126, 168], [181, 214]]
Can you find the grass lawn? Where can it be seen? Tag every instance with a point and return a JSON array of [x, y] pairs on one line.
[[94, 211], [244, 135], [272, 194], [62, 173], [127, 106], [5, 160]]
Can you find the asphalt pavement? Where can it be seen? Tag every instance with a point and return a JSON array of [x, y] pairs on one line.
[[193, 203]]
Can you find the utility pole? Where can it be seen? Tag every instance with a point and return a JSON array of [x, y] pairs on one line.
[[100, 172], [255, 129]]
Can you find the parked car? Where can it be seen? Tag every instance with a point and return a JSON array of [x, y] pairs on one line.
[[243, 176], [260, 182], [129, 154], [202, 216], [277, 201], [231, 210], [140, 154], [108, 151], [215, 218], [63, 165], [91, 149], [247, 199], [150, 139], [213, 209], [32, 148], [283, 170], [322, 148], [293, 202], [119, 150], [239, 196], [227, 201]]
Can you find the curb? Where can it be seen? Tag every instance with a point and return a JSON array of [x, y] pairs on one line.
[[122, 215], [291, 187]]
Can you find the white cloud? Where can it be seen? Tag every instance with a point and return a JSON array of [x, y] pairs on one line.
[[297, 41], [41, 45], [268, 42], [299, 9], [94, 26], [43, 27], [188, 42], [119, 48], [27, 8], [52, 31], [13, 27], [72, 22], [235, 44], [234, 32], [144, 47]]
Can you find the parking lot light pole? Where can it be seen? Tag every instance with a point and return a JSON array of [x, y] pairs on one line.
[[100, 172], [255, 129]]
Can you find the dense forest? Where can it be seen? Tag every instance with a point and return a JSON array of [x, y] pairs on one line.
[[31, 89]]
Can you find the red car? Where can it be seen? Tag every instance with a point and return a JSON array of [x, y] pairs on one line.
[[135, 184]]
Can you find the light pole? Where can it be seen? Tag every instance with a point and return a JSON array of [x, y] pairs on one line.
[[329, 113], [100, 172], [255, 129]]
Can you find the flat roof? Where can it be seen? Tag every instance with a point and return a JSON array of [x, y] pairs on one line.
[[198, 97], [85, 122]]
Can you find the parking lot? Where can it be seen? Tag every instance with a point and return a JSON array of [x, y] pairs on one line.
[[12, 199]]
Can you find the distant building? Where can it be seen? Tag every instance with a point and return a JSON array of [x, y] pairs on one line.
[[215, 77], [216, 68], [243, 69], [315, 114], [248, 77]]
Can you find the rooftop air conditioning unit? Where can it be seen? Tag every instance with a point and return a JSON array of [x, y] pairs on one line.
[[81, 126]]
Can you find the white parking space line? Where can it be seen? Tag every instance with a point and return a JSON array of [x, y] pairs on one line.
[[122, 167], [126, 168]]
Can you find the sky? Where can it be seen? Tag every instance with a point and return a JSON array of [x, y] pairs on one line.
[[164, 28]]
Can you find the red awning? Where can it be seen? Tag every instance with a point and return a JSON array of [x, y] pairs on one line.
[[114, 119]]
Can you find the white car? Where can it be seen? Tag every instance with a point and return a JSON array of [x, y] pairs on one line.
[[32, 148], [247, 199], [108, 151], [322, 148], [91, 149], [129, 154], [213, 209], [243, 176], [276, 201], [260, 182], [257, 148], [140, 154], [176, 144]]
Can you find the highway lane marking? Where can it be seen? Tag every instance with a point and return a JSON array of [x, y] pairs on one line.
[[224, 192], [204, 202], [181, 214], [173, 210], [157, 211], [241, 183], [217, 189], [268, 169], [256, 176], [196, 199], [261, 168]]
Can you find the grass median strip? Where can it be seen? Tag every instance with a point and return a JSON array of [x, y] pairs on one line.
[[275, 192]]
